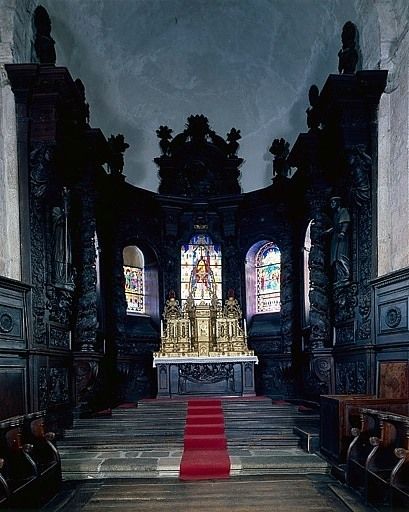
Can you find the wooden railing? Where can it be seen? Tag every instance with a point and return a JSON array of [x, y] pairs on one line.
[[30, 466]]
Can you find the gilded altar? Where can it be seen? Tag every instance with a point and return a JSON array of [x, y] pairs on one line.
[[204, 349], [203, 329]]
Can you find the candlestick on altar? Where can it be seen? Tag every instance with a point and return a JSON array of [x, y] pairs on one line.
[[245, 328], [161, 328]]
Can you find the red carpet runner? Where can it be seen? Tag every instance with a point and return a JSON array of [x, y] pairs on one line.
[[205, 454]]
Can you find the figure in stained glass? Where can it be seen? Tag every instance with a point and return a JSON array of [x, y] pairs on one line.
[[200, 269], [134, 279], [268, 269]]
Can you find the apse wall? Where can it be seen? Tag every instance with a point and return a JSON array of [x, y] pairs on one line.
[[15, 46], [385, 45]]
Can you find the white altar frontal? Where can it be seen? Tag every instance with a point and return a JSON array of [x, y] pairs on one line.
[[204, 349]]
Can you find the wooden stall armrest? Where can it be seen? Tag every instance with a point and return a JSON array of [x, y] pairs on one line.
[[49, 437], [375, 442], [3, 482], [355, 433], [403, 456]]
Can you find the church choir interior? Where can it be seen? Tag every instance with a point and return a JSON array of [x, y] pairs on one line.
[[287, 303]]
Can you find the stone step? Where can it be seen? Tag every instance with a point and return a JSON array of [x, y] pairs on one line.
[[166, 464], [147, 441]]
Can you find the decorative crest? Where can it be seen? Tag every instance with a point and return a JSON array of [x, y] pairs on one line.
[[198, 161]]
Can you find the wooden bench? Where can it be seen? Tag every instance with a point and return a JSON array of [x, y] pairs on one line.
[[378, 457], [30, 468], [340, 413]]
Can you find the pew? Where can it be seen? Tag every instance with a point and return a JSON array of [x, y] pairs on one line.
[[340, 413], [30, 467], [378, 457]]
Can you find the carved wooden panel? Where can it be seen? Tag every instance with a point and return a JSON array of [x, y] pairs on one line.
[[12, 315], [393, 316], [12, 390], [393, 379], [392, 308], [351, 376], [58, 337]]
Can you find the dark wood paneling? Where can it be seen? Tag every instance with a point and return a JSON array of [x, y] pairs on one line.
[[13, 326], [12, 390], [393, 379]]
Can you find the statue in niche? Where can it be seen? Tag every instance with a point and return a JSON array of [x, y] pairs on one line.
[[339, 256], [43, 42], [360, 164], [61, 244], [347, 55]]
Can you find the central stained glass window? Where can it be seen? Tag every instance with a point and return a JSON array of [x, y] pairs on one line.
[[268, 266], [201, 269]]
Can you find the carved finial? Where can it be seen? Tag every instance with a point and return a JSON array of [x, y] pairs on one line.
[[172, 307], [313, 114], [233, 136], [348, 56], [280, 148], [81, 89], [118, 146], [197, 127], [165, 135], [231, 306], [43, 42]]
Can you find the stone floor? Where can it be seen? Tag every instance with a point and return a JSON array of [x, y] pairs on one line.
[[130, 462], [262, 493], [165, 464]]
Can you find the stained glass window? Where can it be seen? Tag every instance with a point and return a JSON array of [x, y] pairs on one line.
[[201, 269], [268, 264], [134, 279]]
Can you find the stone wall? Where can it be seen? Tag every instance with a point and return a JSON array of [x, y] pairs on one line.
[[15, 46], [385, 45]]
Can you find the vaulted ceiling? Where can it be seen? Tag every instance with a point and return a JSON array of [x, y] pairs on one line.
[[242, 63]]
